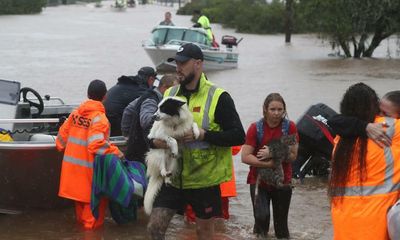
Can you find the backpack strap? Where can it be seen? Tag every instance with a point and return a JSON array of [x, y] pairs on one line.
[[260, 129], [285, 127]]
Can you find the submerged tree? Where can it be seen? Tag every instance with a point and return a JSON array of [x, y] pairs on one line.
[[358, 25], [288, 20]]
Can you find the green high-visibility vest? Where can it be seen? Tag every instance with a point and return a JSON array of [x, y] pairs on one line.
[[205, 23], [203, 164]]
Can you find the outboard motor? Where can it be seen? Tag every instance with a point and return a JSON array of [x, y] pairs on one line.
[[316, 142], [229, 41]]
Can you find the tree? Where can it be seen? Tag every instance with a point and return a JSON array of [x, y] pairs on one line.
[[358, 25], [21, 6], [288, 20]]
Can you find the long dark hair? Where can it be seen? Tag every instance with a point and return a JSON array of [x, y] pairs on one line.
[[359, 101]]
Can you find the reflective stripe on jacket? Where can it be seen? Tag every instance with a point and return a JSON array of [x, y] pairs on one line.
[[203, 164], [360, 213], [84, 134], [228, 189]]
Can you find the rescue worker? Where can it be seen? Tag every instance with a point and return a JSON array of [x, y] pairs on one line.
[[204, 22], [125, 91], [365, 178], [347, 126], [83, 135], [207, 160], [228, 190]]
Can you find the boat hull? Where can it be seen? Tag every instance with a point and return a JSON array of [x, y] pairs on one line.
[[214, 60], [30, 175], [30, 178]]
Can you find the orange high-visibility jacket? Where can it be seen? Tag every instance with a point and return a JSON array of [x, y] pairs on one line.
[[228, 189], [83, 135], [360, 213]]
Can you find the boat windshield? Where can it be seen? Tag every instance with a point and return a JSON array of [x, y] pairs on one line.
[[9, 92], [164, 35]]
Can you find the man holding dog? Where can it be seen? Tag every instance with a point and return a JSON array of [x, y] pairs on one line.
[[206, 161]]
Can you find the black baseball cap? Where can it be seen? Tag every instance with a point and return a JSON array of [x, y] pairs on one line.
[[147, 71], [187, 52]]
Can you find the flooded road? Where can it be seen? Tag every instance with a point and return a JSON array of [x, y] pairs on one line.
[[59, 51]]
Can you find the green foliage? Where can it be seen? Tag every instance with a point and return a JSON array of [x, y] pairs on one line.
[[21, 6], [261, 18], [254, 16], [361, 23], [189, 8]]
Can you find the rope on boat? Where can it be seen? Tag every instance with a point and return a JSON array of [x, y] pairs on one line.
[[39, 129]]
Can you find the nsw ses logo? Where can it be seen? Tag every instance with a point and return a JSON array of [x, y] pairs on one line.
[[81, 121]]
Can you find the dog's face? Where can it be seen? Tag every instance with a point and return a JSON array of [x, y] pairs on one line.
[[170, 108]]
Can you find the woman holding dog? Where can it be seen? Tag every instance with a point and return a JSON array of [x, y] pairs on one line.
[[255, 153], [365, 177]]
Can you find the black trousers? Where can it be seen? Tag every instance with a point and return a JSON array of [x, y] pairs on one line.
[[280, 199]]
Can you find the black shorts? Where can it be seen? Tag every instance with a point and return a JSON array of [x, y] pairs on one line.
[[205, 202]]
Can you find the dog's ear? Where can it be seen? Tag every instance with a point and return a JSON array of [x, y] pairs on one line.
[[181, 103], [177, 101], [171, 105]]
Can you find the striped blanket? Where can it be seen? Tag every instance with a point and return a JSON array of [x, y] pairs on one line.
[[120, 181]]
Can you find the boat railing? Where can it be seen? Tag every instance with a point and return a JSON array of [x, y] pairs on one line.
[[118, 141], [43, 141], [48, 99], [148, 42], [31, 120], [182, 42], [178, 42]]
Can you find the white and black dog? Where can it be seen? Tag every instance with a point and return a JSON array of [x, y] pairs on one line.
[[172, 120]]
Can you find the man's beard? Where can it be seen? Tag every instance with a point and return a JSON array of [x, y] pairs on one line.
[[188, 79]]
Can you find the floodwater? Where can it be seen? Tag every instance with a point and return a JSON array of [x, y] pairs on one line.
[[60, 50]]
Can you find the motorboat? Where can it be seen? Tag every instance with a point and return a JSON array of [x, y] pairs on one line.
[[166, 40], [30, 165], [119, 6]]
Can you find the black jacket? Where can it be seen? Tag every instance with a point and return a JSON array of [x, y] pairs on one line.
[[349, 127], [119, 96]]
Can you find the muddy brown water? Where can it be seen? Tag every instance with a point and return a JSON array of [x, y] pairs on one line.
[[60, 50]]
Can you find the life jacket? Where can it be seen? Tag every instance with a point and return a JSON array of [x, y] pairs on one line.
[[360, 212], [83, 135], [203, 164]]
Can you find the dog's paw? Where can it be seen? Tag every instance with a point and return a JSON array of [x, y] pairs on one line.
[[174, 155], [168, 181], [164, 173], [174, 151], [173, 146], [196, 131]]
